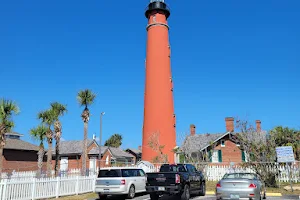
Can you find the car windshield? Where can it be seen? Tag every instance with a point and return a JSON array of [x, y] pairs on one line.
[[109, 173], [239, 175]]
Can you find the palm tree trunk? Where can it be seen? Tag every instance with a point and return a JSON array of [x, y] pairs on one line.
[[1, 159], [84, 153], [57, 156], [49, 158], [2, 144], [40, 161]]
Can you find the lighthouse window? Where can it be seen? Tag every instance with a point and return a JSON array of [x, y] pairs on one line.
[[154, 18]]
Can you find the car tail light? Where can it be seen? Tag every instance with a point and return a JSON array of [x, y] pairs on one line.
[[218, 185], [177, 178], [123, 182], [252, 185]]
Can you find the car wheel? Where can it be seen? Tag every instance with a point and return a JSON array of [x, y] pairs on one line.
[[154, 196], [131, 193], [101, 196], [186, 193], [202, 189]]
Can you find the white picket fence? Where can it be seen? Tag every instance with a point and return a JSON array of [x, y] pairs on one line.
[[43, 188], [211, 172], [28, 175], [215, 173]]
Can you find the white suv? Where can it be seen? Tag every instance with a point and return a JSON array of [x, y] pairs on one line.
[[120, 181]]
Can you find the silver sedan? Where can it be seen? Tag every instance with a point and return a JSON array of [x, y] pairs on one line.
[[240, 186]]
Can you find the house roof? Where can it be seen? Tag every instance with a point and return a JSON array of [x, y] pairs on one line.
[[18, 144], [135, 151], [14, 133], [119, 153], [198, 142], [72, 146], [95, 150]]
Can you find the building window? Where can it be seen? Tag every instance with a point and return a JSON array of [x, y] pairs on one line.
[[107, 160], [216, 156], [64, 163], [222, 143]]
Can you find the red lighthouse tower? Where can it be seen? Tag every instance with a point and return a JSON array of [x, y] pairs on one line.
[[159, 117]]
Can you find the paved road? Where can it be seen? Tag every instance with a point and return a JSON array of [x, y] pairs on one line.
[[208, 197]]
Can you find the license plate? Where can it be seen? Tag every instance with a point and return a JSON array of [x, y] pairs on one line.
[[106, 191], [234, 196], [161, 188]]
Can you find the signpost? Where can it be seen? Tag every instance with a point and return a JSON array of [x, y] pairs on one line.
[[285, 154]]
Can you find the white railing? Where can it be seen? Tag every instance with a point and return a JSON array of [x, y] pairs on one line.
[[45, 188]]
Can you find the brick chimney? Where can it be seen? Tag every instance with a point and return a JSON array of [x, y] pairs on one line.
[[229, 121], [192, 129], [258, 125]]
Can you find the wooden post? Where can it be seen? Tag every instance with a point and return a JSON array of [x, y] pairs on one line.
[[77, 185], [33, 189], [57, 187]]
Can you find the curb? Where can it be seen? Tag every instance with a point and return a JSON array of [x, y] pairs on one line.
[[268, 194], [210, 192], [274, 194]]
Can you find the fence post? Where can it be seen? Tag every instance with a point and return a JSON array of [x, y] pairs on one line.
[[4, 189], [33, 189], [57, 187], [77, 185], [94, 183]]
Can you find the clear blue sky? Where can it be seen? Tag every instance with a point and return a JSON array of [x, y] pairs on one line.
[[229, 58]]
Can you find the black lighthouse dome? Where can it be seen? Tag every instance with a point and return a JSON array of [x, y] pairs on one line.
[[158, 5]]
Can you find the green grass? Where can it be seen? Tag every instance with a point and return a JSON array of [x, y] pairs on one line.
[[80, 197]]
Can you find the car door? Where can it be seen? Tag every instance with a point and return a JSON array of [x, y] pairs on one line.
[[261, 185], [141, 180], [197, 178], [192, 173]]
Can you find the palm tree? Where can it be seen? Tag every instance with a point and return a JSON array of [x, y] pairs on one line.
[[114, 141], [85, 98], [7, 109], [39, 133], [48, 118], [59, 110]]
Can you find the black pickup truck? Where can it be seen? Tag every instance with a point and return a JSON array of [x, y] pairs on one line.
[[181, 180]]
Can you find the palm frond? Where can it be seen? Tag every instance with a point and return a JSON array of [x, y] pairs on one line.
[[47, 116], [86, 97], [39, 133], [8, 108], [58, 109]]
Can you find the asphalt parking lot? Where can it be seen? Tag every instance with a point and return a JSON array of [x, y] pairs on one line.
[[208, 197]]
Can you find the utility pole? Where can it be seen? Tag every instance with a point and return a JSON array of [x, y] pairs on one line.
[[100, 140]]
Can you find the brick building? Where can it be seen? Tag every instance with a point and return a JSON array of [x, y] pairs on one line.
[[71, 151], [137, 153], [217, 148], [19, 155], [116, 156]]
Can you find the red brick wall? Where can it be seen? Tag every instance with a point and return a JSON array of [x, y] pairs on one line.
[[20, 160], [75, 161], [103, 159], [230, 153]]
